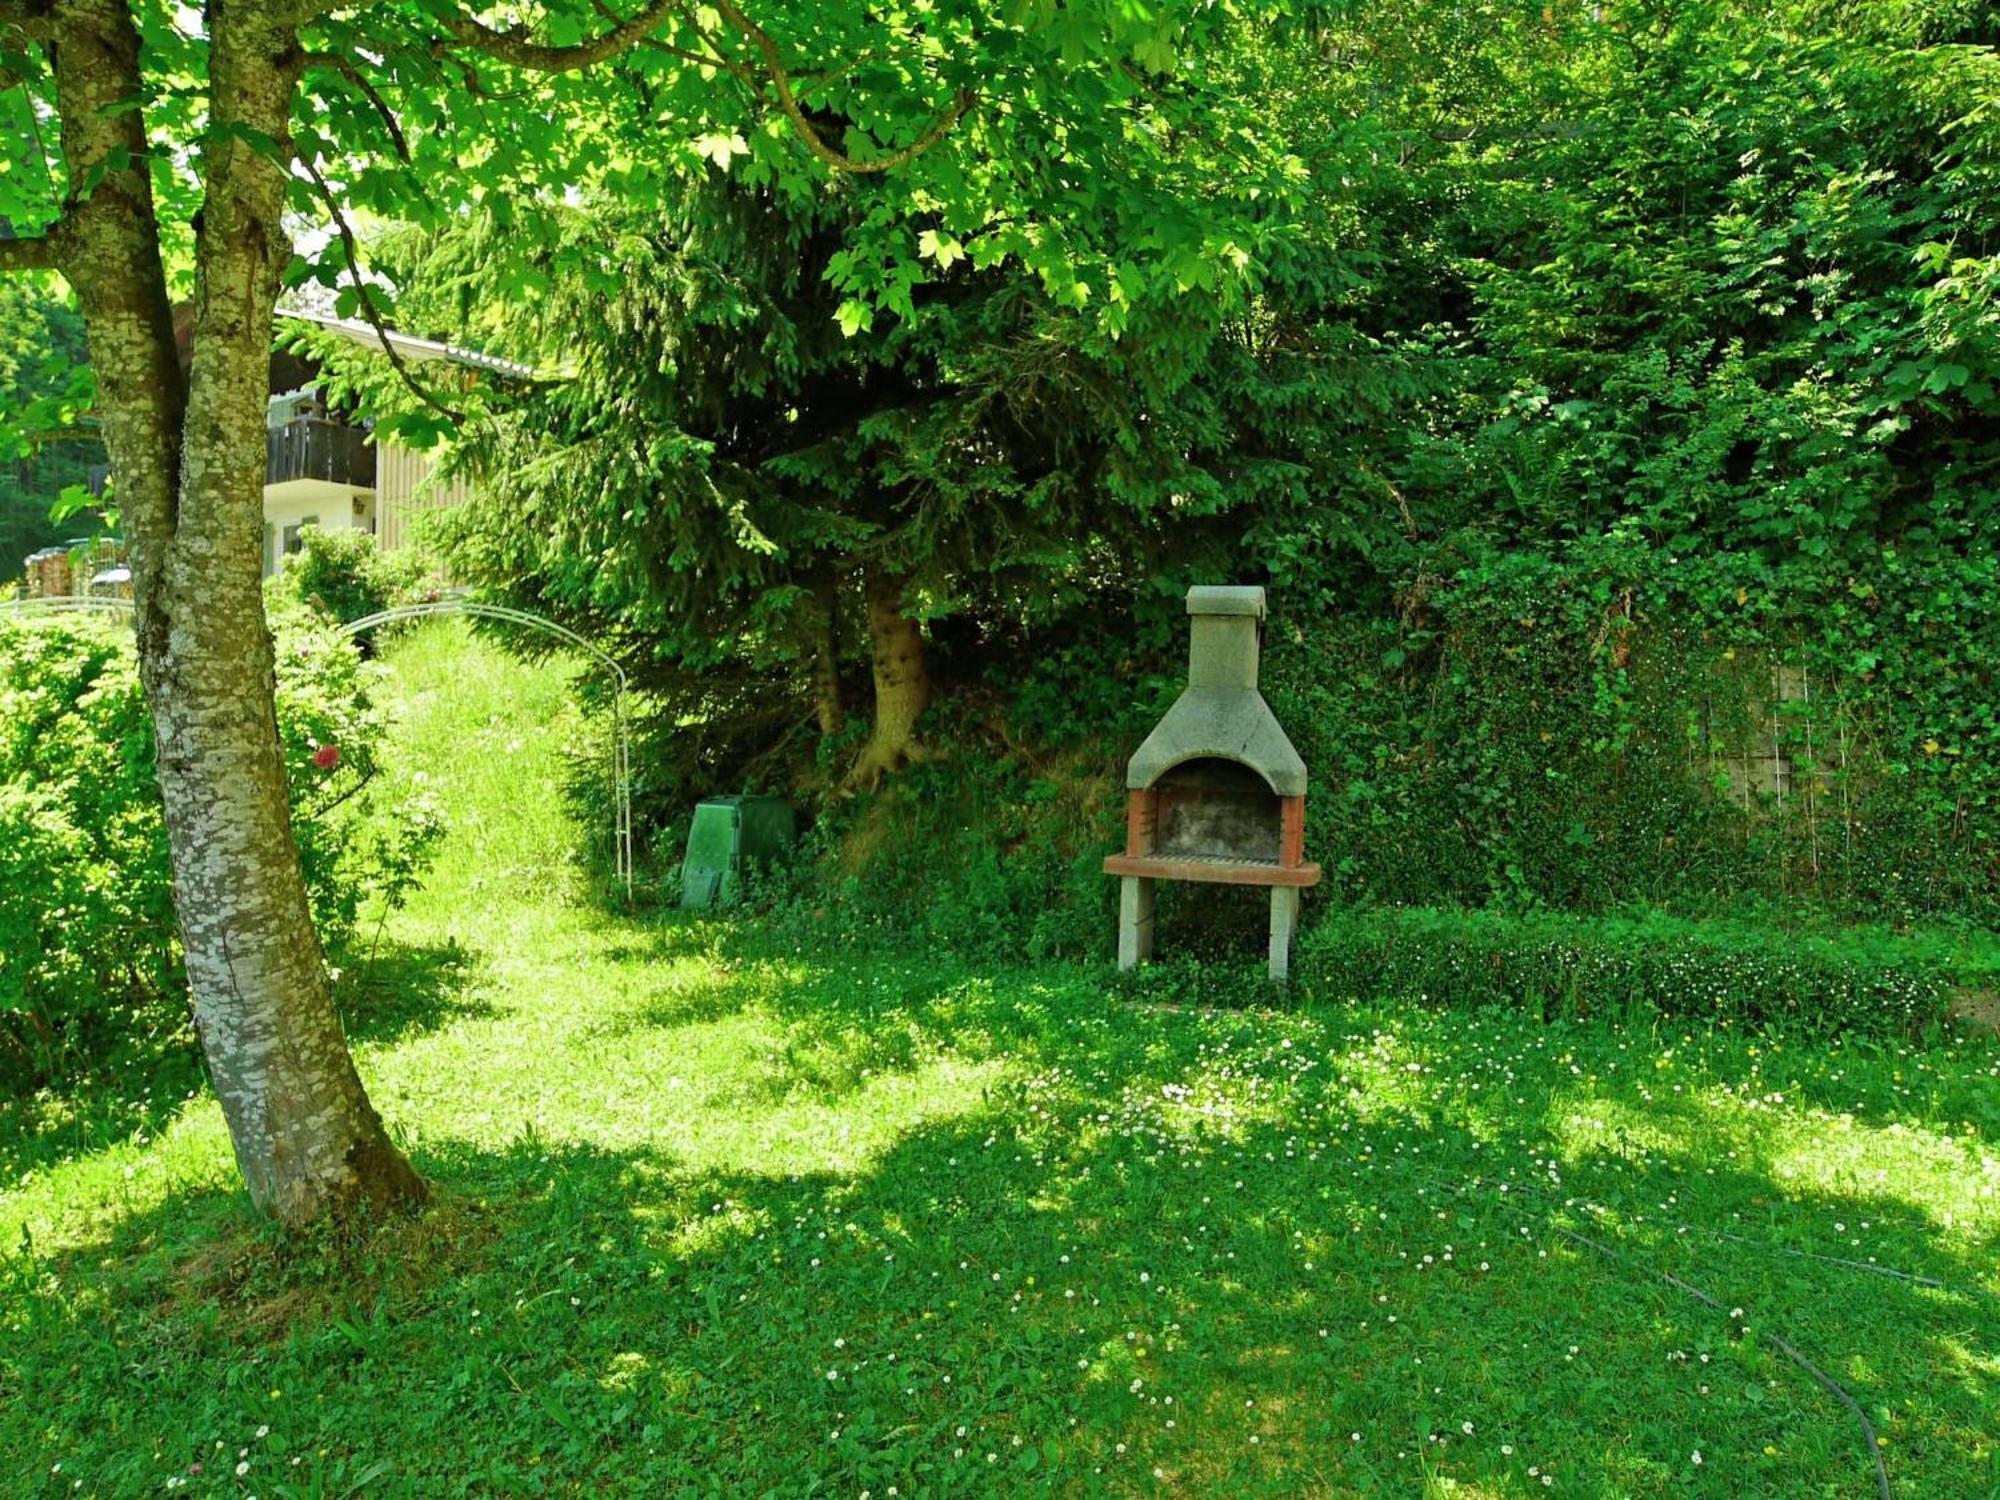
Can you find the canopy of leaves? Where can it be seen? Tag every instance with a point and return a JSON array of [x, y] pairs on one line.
[[1062, 138], [721, 433]]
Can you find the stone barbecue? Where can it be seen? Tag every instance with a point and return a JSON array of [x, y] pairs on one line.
[[1216, 793]]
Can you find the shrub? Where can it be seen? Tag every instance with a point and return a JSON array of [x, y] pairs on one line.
[[973, 853], [345, 575], [1718, 972], [88, 957]]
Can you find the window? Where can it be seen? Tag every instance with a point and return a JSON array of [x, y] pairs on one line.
[[293, 541]]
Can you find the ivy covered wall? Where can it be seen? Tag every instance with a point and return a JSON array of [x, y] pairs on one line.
[[1607, 725]]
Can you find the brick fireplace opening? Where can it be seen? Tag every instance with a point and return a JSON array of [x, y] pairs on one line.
[[1212, 808]]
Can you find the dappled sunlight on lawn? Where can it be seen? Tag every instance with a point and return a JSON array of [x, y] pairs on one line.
[[1952, 1182], [1952, 1185], [911, 1218], [712, 1219]]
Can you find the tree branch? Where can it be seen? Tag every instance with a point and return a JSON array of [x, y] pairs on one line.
[[517, 47], [444, 57], [808, 132], [346, 69], [40, 252], [720, 59], [313, 815], [89, 433], [367, 300]]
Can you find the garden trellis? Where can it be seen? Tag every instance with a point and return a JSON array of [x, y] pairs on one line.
[[54, 604], [621, 754]]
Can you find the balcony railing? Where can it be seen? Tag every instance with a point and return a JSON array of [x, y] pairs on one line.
[[308, 448], [315, 448]]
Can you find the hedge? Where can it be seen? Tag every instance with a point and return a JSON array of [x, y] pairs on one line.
[[1720, 972]]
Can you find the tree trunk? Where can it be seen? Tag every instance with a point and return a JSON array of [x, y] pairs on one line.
[[827, 706], [902, 685], [307, 1141]]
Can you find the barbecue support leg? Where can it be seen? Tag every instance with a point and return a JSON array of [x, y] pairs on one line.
[[1284, 917], [1135, 920]]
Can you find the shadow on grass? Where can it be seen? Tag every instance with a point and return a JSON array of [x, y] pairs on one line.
[[399, 990], [129, 1093], [140, 1083], [1181, 1251], [1133, 1298], [1944, 1084]]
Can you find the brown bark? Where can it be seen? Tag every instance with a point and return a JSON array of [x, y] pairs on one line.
[[36, 253], [827, 705], [902, 683], [307, 1141]]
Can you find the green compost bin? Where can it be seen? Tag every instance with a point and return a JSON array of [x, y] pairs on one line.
[[728, 836]]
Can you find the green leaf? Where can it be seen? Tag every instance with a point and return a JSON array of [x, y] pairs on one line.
[[720, 148], [854, 316], [943, 249], [73, 501]]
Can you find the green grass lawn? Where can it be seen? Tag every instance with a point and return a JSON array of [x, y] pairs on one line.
[[716, 1220]]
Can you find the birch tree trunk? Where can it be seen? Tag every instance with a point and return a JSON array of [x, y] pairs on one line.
[[189, 456], [902, 682]]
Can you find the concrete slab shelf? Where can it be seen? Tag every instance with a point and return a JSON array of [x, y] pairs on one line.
[[1213, 871]]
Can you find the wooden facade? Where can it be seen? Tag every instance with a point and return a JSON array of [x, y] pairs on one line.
[[403, 493]]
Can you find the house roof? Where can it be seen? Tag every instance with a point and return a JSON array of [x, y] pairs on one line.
[[408, 347]]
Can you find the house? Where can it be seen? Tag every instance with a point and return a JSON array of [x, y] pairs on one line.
[[327, 469]]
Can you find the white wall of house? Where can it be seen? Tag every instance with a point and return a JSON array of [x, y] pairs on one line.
[[310, 502]]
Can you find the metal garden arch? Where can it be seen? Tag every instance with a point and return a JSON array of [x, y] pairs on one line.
[[52, 604], [621, 751]]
